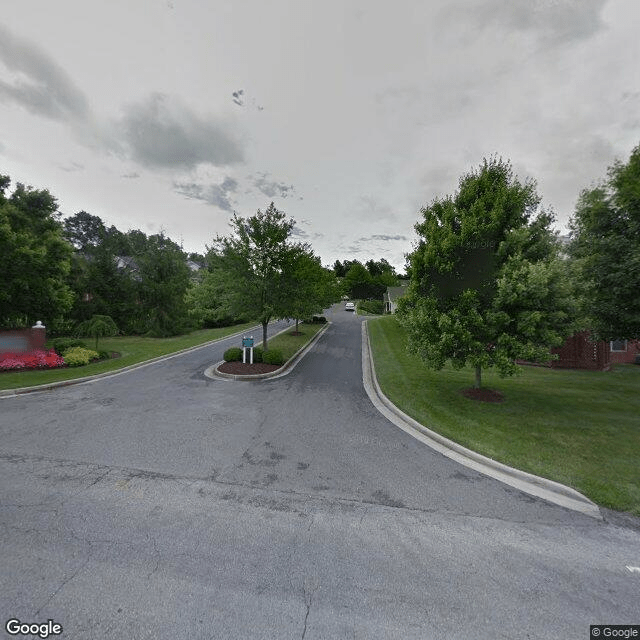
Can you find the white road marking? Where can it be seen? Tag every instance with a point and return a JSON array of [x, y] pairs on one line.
[[633, 569]]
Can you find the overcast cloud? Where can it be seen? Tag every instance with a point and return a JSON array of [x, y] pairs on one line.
[[349, 116]]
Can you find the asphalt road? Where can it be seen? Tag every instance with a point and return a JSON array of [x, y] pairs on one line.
[[162, 504]]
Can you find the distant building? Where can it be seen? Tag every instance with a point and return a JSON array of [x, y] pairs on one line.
[[390, 297]]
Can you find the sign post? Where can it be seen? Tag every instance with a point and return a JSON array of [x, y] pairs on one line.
[[247, 343]]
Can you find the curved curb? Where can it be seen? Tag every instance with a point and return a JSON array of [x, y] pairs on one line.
[[11, 393], [548, 490], [213, 373]]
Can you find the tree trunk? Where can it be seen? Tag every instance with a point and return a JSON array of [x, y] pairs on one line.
[[478, 382], [296, 325], [264, 335]]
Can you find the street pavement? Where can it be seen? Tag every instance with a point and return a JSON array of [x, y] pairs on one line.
[[160, 503]]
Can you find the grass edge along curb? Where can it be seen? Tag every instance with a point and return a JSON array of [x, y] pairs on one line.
[[8, 393], [544, 488], [213, 373]]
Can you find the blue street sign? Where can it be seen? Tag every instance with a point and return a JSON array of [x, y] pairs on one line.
[[247, 342]]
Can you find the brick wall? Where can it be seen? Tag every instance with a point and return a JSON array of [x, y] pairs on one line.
[[22, 340], [628, 356]]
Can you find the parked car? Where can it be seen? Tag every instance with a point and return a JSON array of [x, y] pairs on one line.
[[349, 306]]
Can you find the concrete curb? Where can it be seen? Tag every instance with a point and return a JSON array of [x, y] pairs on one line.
[[10, 393], [548, 490], [284, 370]]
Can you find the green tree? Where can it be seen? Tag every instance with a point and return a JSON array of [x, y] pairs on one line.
[[34, 258], [252, 262], [310, 287], [163, 283], [486, 285], [100, 287], [606, 249], [209, 301], [98, 326], [357, 281], [84, 231]]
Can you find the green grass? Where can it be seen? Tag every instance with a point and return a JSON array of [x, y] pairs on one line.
[[288, 344], [580, 428], [132, 350]]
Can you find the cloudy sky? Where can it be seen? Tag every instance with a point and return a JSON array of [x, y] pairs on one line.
[[349, 114]]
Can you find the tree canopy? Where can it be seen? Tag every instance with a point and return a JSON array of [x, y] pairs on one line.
[[34, 258], [252, 264], [606, 248], [486, 285]]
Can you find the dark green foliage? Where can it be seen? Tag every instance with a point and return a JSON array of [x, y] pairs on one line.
[[257, 354], [104, 355], [233, 354], [273, 356], [606, 251], [318, 320], [34, 258], [164, 281], [367, 282], [98, 326], [374, 307], [60, 345]]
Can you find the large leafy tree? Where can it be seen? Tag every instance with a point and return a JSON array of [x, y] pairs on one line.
[[34, 258], [252, 263], [84, 231], [163, 282], [606, 249], [101, 288], [486, 285], [368, 281], [310, 287]]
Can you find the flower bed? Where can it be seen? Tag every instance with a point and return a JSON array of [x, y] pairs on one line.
[[39, 359]]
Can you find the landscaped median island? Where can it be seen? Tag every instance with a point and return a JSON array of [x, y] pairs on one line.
[[579, 428], [281, 348], [130, 349]]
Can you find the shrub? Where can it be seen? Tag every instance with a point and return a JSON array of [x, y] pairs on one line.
[[233, 354], [272, 356], [257, 354], [375, 307], [104, 355], [77, 356], [318, 320], [60, 345]]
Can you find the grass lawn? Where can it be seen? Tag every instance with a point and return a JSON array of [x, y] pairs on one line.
[[289, 344], [132, 350], [580, 428]]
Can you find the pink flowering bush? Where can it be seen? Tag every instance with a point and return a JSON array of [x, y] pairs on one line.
[[34, 360]]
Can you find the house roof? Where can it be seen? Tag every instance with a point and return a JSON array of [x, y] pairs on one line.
[[393, 293]]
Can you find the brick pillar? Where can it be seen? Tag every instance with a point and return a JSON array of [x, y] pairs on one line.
[[38, 335]]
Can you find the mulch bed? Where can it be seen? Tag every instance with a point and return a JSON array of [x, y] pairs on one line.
[[483, 395], [238, 368]]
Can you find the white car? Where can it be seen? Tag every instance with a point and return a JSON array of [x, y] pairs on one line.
[[349, 306]]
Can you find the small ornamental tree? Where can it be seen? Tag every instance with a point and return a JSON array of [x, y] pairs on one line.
[[487, 287], [97, 327]]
